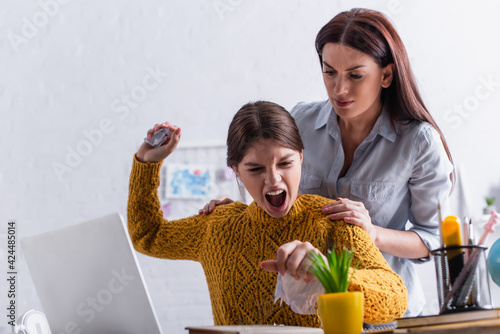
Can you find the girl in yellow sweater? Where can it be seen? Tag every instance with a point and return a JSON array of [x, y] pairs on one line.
[[242, 247]]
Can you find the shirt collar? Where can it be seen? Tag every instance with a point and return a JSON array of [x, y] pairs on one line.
[[324, 114], [383, 126]]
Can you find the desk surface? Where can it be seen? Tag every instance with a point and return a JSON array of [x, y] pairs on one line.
[[489, 326], [253, 329]]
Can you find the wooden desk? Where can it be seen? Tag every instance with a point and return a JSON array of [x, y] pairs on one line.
[[253, 329], [490, 326]]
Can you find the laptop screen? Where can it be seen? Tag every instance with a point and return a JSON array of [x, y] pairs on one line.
[[88, 279]]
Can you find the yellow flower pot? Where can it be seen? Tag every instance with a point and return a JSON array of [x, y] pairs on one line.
[[341, 313]]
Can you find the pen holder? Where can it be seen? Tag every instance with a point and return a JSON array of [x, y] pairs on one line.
[[462, 278]]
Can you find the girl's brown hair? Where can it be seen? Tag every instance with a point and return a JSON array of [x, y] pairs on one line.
[[260, 120], [372, 33]]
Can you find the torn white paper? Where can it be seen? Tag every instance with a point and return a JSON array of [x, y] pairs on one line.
[[299, 295]]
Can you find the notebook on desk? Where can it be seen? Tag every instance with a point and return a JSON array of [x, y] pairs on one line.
[[88, 279], [450, 318]]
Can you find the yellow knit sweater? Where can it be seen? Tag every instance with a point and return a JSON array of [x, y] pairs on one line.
[[232, 241]]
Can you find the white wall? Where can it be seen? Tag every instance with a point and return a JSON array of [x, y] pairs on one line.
[[69, 72]]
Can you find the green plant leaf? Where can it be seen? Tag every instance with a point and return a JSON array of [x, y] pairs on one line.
[[334, 273]]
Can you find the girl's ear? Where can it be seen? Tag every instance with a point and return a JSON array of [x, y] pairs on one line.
[[235, 169], [387, 75]]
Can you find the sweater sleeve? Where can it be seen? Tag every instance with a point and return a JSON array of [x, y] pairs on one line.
[[152, 234], [385, 295]]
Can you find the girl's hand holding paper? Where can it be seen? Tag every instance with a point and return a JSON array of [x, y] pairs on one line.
[[149, 153], [296, 285], [292, 258]]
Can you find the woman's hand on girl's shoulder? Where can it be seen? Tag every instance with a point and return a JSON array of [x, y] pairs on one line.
[[210, 206], [351, 212], [148, 153]]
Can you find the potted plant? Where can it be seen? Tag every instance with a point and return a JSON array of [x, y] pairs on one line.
[[490, 201], [340, 311]]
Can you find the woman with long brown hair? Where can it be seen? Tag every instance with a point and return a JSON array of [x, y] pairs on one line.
[[373, 145]]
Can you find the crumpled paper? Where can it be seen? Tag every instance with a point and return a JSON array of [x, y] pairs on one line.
[[159, 137], [298, 294]]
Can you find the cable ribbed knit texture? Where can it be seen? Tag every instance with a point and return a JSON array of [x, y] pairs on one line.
[[232, 241]]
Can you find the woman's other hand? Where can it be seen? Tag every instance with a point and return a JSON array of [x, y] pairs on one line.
[[351, 212], [293, 258], [148, 153], [208, 208]]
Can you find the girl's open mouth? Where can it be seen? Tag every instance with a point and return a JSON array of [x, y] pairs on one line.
[[276, 199]]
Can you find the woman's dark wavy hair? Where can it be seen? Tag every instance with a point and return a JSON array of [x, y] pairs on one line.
[[372, 33], [260, 120]]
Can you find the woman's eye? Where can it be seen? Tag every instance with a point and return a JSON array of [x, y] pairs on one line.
[[254, 170], [356, 76], [329, 73], [285, 163]]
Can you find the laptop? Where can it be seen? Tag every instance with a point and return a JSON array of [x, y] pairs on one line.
[[88, 279]]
